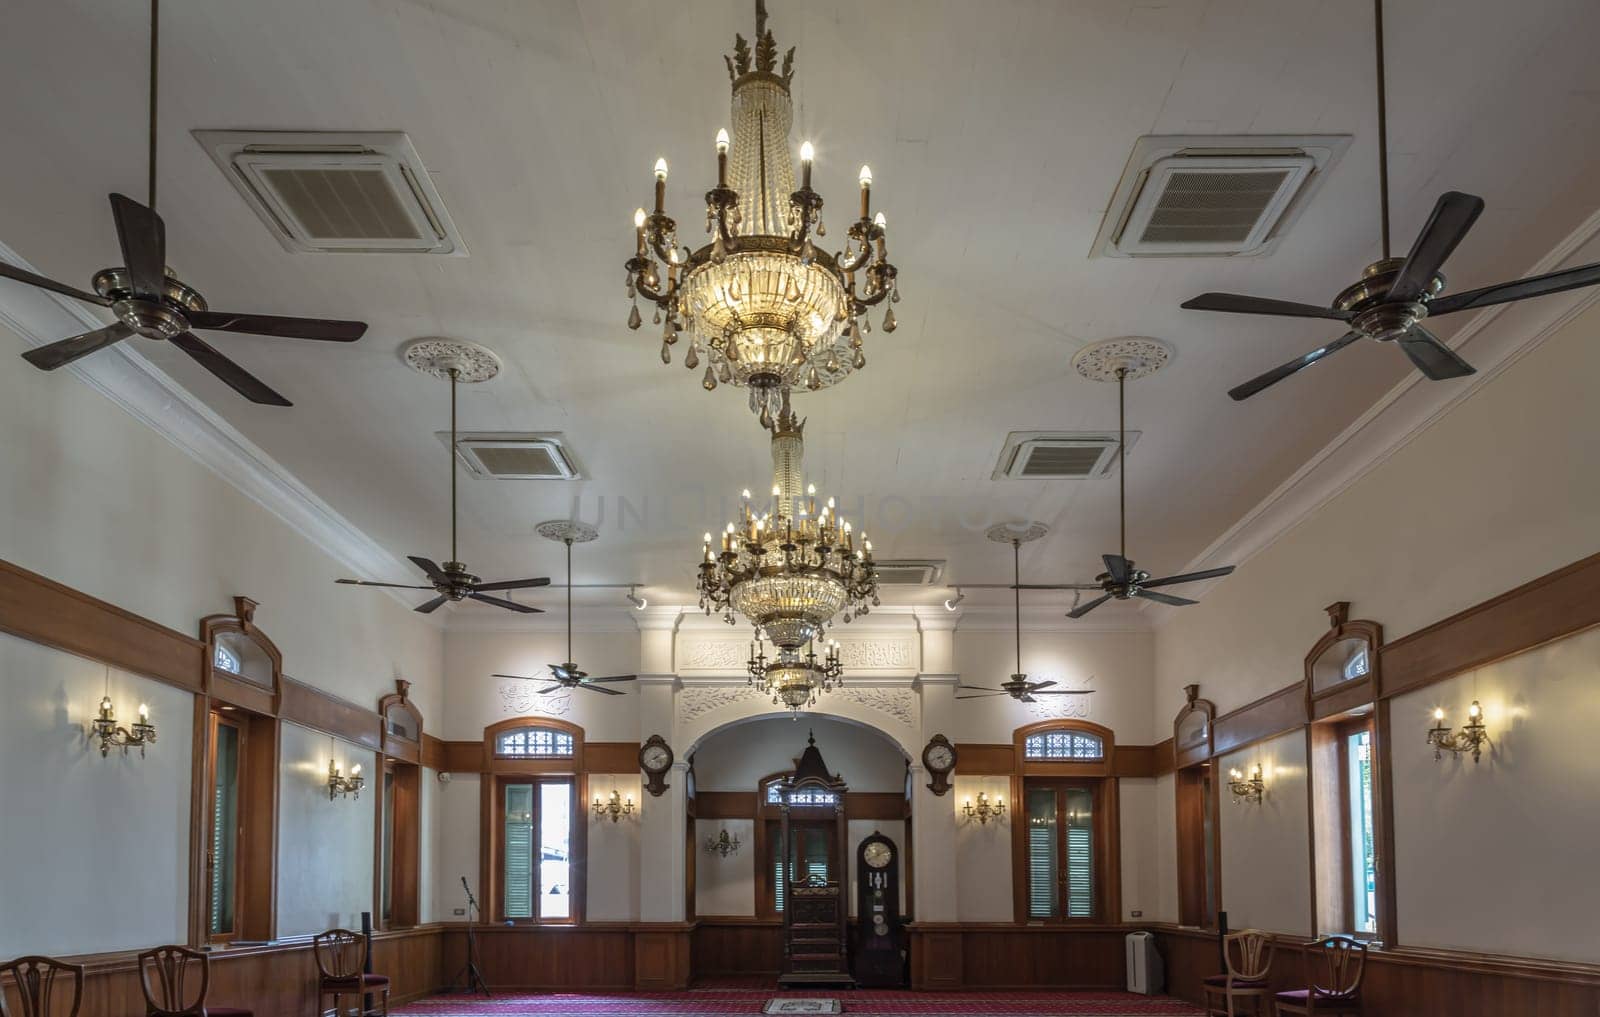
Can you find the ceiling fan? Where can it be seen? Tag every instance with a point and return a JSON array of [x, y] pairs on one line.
[[1018, 687], [568, 675], [453, 582], [1395, 294], [150, 301], [1122, 580]]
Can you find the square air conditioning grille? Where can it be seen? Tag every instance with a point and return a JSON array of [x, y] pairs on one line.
[[909, 572], [1212, 196], [1042, 455], [337, 192], [516, 456]]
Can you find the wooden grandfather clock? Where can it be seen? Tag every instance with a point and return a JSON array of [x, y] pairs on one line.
[[813, 842], [879, 957]]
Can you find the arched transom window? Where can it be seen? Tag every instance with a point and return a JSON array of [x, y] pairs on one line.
[[1063, 744], [534, 743], [801, 796]]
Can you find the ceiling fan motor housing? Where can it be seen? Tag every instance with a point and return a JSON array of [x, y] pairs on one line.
[[152, 319], [1372, 313]]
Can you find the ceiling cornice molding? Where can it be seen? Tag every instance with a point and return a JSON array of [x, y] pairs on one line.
[[153, 398], [1405, 411]]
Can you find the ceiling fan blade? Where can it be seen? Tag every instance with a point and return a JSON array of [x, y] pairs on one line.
[[984, 695], [59, 354], [1188, 577], [512, 584], [432, 605], [509, 605], [1067, 692], [1056, 586], [1036, 686], [599, 688], [434, 572], [1453, 215], [326, 329], [521, 677], [561, 672], [1117, 567], [143, 238], [1519, 289], [1025, 698], [237, 378], [387, 586], [1237, 303], [980, 688], [1277, 374], [1165, 598], [615, 678], [1434, 359], [1083, 609], [31, 279]]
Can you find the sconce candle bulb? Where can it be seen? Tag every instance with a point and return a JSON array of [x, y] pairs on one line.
[[613, 806], [1471, 738], [1247, 789], [110, 733], [340, 786], [722, 844], [984, 810]]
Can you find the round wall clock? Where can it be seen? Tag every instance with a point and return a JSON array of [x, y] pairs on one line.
[[877, 853], [939, 758], [655, 759]]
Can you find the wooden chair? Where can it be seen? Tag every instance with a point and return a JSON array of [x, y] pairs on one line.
[[1247, 956], [178, 970], [1341, 961], [35, 982], [341, 954]]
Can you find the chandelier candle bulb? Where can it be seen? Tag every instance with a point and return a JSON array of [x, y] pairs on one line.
[[807, 155], [661, 186], [722, 157]]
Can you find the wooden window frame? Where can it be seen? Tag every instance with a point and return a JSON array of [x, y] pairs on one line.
[[402, 759], [1098, 775], [1195, 790], [253, 707], [504, 770]]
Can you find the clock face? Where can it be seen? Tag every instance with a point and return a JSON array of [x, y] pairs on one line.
[[656, 758], [940, 757], [877, 854]]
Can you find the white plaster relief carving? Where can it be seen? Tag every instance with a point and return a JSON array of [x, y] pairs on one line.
[[699, 700], [874, 654], [520, 698], [898, 703], [1062, 707], [715, 655]]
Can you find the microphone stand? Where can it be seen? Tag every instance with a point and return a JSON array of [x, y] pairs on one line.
[[470, 978]]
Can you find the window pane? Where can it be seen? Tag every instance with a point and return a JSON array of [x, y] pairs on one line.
[[224, 830], [555, 843], [238, 654], [1080, 852], [1063, 745], [1042, 862], [519, 851], [1364, 874], [386, 877], [534, 741]]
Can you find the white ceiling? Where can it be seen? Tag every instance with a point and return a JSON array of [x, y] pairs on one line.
[[996, 133]]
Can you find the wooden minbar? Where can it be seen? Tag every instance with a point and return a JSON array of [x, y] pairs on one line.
[[816, 912]]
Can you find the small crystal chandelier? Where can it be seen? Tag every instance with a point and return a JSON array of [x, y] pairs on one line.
[[764, 307], [790, 571]]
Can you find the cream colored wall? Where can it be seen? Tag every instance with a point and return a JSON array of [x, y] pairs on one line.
[[614, 864], [1136, 800], [1161, 894], [1266, 866], [95, 851], [983, 851], [736, 757], [325, 852], [428, 877], [725, 886], [477, 699], [1499, 855], [455, 847]]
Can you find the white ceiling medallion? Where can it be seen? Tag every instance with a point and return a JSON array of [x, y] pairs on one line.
[[437, 356], [1140, 356]]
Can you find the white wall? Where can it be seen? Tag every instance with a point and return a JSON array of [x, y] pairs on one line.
[[1161, 901], [477, 699], [725, 886], [428, 877], [614, 867], [735, 758], [1266, 867], [81, 835], [455, 847], [983, 851], [1118, 666], [325, 851], [1136, 800], [1499, 855]]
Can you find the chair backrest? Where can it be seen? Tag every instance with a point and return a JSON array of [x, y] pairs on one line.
[[1344, 960], [1248, 954], [182, 979], [341, 954], [35, 980]]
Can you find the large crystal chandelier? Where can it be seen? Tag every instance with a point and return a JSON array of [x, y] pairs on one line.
[[789, 570], [763, 306]]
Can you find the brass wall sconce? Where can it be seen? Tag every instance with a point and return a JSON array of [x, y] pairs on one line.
[[1247, 789], [612, 806], [1471, 738], [112, 734], [340, 786], [984, 810], [722, 844]]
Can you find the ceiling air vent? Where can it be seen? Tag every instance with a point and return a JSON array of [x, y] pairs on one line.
[[337, 192], [1048, 455], [1212, 196], [909, 571], [516, 456]]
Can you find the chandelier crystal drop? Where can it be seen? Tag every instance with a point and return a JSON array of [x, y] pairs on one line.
[[761, 302]]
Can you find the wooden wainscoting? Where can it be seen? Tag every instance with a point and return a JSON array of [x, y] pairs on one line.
[[1408, 983], [598, 955], [279, 980], [737, 946], [967, 955]]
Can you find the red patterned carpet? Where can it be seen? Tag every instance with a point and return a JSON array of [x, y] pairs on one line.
[[750, 997]]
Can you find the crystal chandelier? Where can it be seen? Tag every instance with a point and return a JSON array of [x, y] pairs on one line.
[[790, 571], [763, 306]]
